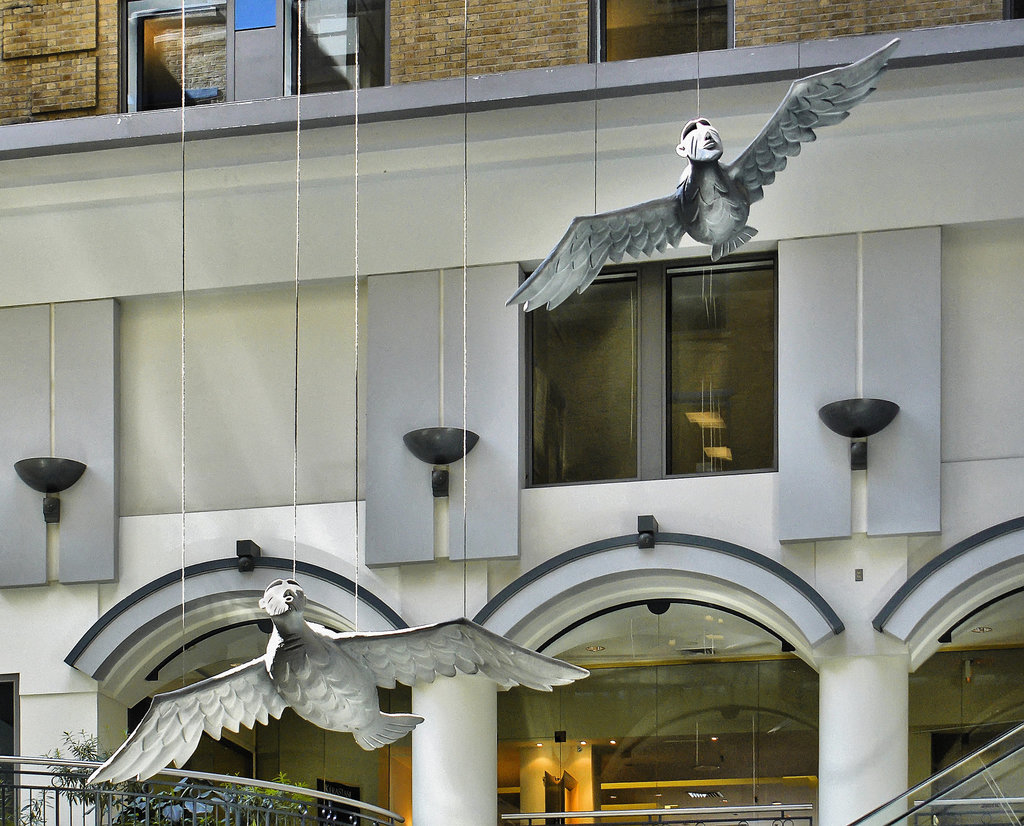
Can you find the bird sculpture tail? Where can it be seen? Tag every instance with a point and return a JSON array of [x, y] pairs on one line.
[[386, 729]]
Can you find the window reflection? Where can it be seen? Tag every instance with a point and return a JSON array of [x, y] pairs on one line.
[[639, 28], [722, 370], [690, 735], [335, 34], [585, 386], [155, 54]]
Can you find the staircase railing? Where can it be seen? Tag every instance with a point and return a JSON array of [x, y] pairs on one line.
[[47, 792], [766, 815]]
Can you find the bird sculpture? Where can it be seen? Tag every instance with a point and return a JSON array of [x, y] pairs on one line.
[[327, 678], [712, 201]]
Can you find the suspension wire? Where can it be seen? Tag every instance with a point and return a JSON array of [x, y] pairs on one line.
[[182, 330], [698, 59], [295, 326], [355, 313], [465, 304]]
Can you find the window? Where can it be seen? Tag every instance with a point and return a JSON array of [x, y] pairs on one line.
[[639, 28], [655, 371], [248, 49], [332, 32], [1013, 9], [8, 742]]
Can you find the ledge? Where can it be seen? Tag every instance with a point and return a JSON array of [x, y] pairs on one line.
[[532, 87]]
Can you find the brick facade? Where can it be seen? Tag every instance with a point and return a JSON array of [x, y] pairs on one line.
[[758, 22], [58, 58], [428, 36]]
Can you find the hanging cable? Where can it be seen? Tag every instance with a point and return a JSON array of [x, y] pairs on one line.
[[355, 313], [465, 304], [295, 326], [184, 85]]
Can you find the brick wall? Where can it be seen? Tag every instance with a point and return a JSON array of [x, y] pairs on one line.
[[57, 58], [759, 22], [428, 36]]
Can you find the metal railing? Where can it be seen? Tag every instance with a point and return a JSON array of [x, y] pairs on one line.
[[46, 792], [768, 815]]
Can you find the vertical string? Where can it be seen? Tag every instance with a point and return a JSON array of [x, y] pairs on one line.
[[184, 84], [465, 304], [698, 58], [355, 312], [295, 328]]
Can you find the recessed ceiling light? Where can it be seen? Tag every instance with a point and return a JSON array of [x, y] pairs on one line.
[[583, 742], [981, 629], [595, 648], [612, 742], [714, 738], [539, 745]]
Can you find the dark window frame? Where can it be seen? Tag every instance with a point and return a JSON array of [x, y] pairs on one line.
[[653, 375], [598, 26]]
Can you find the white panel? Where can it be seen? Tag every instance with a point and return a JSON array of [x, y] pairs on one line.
[[403, 368], [85, 415], [25, 413], [817, 365], [901, 362], [490, 472]]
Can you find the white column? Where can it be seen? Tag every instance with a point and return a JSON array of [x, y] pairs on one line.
[[455, 752], [862, 735]]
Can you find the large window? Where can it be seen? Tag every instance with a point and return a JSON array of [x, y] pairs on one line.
[[248, 49], [656, 371], [690, 707], [639, 28], [8, 742]]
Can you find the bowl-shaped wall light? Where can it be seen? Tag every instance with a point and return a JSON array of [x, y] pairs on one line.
[[857, 419], [440, 446], [49, 475]]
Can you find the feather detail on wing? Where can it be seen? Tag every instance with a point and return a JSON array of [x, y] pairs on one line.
[[812, 102], [170, 730], [592, 240], [419, 654]]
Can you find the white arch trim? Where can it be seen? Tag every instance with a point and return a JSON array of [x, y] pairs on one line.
[[961, 579], [132, 638], [600, 575]]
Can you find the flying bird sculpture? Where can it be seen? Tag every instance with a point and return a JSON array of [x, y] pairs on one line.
[[327, 678], [712, 201]]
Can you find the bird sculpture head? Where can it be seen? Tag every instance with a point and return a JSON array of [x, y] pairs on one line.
[[281, 596], [700, 141]]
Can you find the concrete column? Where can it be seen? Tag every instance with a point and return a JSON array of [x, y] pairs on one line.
[[455, 752], [863, 738]]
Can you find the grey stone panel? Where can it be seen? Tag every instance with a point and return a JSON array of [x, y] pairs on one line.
[[901, 362], [86, 406], [490, 474], [403, 369], [25, 413], [817, 365]]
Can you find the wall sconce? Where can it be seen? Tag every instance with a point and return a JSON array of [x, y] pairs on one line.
[[49, 475], [857, 419], [247, 552], [440, 446], [646, 532]]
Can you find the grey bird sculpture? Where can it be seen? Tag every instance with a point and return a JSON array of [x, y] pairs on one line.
[[713, 199], [327, 678]]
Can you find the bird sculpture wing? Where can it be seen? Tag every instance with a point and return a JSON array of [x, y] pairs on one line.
[[812, 102], [170, 730], [592, 240], [417, 655]]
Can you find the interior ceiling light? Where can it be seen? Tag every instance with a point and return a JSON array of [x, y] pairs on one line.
[[595, 648], [721, 452], [981, 629], [707, 419]]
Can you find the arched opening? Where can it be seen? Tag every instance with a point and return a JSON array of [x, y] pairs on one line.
[[701, 690], [150, 643]]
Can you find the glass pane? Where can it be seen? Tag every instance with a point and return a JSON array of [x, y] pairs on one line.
[[332, 31], [722, 370], [639, 28], [585, 386], [158, 42], [700, 734]]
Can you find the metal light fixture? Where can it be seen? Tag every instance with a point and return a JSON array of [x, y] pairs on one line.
[[646, 532], [49, 475], [440, 446], [247, 552], [857, 419]]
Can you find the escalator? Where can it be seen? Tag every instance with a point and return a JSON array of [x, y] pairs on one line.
[[985, 788]]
